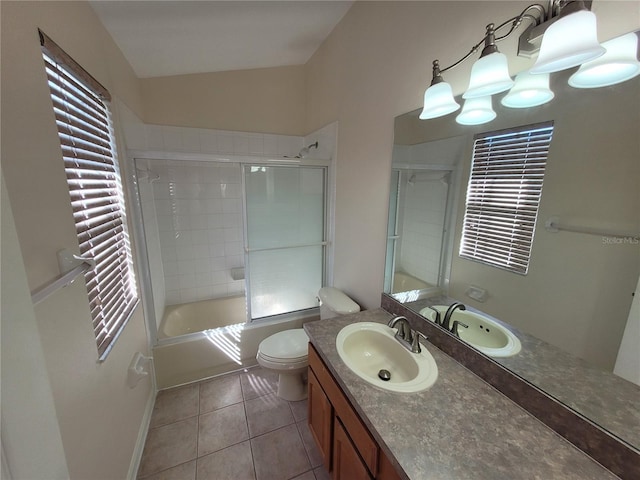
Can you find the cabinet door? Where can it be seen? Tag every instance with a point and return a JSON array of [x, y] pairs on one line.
[[320, 419], [347, 464]]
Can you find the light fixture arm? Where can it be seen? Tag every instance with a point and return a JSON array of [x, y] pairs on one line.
[[490, 39]]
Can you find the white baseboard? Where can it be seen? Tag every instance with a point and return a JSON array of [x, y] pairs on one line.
[[142, 436]]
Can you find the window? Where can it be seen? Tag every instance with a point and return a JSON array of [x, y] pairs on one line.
[[85, 131], [503, 196]]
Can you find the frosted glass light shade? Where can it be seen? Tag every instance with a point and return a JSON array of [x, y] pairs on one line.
[[438, 101], [489, 75], [617, 65], [476, 111], [570, 41], [528, 91]]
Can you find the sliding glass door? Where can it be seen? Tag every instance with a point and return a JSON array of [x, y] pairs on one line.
[[285, 237]]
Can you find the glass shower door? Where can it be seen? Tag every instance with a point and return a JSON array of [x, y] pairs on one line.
[[285, 241]]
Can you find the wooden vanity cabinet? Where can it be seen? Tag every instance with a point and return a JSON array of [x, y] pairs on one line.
[[348, 450]]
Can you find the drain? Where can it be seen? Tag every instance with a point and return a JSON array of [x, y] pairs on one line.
[[384, 375]]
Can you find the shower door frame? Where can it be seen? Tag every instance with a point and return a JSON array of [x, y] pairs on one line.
[[325, 243], [141, 259], [450, 215]]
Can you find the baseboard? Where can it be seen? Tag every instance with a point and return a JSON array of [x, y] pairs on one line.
[[142, 437]]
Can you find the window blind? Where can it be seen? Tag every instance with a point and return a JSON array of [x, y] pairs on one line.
[[88, 150], [503, 196]]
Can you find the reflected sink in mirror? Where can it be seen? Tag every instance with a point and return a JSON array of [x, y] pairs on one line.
[[483, 333], [367, 348]]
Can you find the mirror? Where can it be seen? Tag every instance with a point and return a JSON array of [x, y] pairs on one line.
[[571, 309]]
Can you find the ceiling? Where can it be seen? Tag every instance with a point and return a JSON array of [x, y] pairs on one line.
[[161, 38]]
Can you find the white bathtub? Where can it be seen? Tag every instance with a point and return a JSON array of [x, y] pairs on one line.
[[204, 315], [208, 338], [407, 288]]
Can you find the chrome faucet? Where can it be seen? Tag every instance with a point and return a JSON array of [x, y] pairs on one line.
[[447, 316], [407, 337], [404, 330]]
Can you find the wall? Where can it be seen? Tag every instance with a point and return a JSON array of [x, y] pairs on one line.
[[98, 416], [266, 100], [376, 65]]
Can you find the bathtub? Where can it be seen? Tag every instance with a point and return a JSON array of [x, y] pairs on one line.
[[407, 288], [208, 338], [205, 315]]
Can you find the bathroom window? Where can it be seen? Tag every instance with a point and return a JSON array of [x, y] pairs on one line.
[[503, 196], [81, 108]]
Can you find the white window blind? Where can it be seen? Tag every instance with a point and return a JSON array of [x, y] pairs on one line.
[[503, 196], [85, 131]]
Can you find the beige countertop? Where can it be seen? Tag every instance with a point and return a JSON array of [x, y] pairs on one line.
[[461, 428]]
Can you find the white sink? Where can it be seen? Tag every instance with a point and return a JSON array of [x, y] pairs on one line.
[[367, 348], [483, 333]]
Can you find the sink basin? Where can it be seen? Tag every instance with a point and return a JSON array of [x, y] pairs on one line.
[[483, 333], [368, 347]]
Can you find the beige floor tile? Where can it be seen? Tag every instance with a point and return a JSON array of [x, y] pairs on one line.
[[169, 445], [220, 392], [232, 463], [279, 454], [299, 409], [257, 382], [222, 428], [186, 471], [267, 413], [175, 404], [309, 444], [321, 473], [306, 476]]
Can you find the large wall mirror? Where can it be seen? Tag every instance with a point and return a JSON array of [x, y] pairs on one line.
[[571, 309]]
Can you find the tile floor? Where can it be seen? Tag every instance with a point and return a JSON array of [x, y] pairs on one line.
[[230, 427]]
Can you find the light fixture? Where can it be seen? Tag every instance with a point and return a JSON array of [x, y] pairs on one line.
[[570, 40], [438, 98], [565, 36], [476, 111], [618, 64], [490, 73], [529, 91]]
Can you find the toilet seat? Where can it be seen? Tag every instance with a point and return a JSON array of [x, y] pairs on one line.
[[288, 346]]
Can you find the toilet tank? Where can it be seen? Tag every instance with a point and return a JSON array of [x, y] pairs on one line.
[[334, 302]]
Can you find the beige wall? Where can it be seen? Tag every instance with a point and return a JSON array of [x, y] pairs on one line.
[[265, 100], [99, 417], [376, 65]]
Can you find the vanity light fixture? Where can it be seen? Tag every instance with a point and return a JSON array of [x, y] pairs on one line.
[[438, 98], [617, 65], [570, 40], [490, 73], [476, 111], [564, 33], [529, 91]]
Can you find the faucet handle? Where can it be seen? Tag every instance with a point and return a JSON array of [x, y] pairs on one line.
[[438, 319], [454, 327], [415, 344]]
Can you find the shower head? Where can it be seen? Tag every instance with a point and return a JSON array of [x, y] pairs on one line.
[[305, 151]]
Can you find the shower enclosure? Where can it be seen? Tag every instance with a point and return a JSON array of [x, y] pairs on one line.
[[425, 182], [419, 213], [229, 242]]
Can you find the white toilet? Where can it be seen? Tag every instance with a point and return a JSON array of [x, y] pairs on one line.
[[286, 352]]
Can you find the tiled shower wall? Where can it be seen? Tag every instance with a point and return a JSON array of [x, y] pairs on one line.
[[422, 221], [199, 216]]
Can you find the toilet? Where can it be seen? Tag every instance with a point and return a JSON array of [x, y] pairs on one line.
[[286, 352]]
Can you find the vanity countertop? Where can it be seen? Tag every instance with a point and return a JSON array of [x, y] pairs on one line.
[[461, 428]]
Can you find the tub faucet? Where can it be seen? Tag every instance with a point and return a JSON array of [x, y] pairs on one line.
[[447, 316], [404, 330]]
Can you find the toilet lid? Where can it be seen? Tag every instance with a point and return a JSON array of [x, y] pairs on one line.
[[288, 344]]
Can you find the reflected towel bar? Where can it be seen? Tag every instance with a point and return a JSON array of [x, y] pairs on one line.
[[554, 225], [63, 280]]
